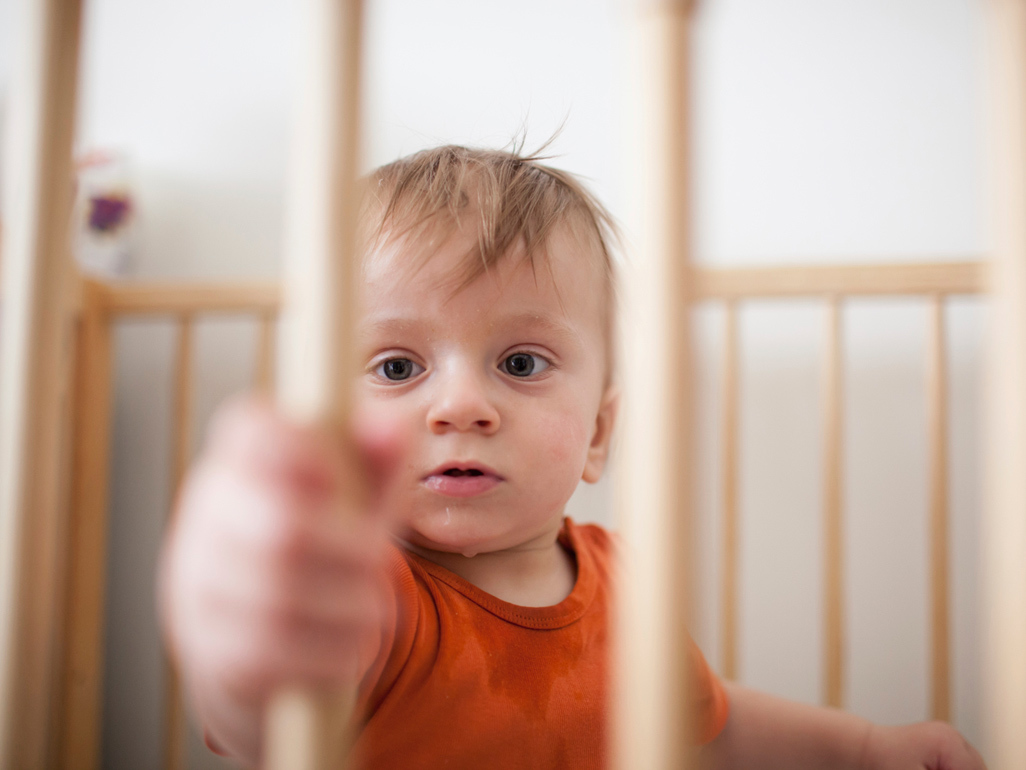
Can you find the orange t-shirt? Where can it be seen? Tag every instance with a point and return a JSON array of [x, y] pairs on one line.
[[465, 680]]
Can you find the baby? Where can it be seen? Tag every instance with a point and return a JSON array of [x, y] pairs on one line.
[[469, 612]]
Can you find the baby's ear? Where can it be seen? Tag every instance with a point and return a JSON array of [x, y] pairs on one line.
[[598, 449]]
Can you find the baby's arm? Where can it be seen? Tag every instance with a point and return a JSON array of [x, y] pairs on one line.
[[769, 733], [263, 582]]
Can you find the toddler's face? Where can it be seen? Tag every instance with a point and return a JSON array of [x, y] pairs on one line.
[[501, 388]]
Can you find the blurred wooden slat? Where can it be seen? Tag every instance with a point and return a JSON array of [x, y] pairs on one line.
[[307, 730], [833, 524], [848, 280], [653, 715], [175, 727], [87, 540], [729, 439], [266, 354], [1003, 535], [35, 341], [937, 397]]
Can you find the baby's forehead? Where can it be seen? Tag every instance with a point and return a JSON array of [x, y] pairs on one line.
[[430, 273]]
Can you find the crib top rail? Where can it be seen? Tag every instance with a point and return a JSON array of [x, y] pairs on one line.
[[178, 298], [187, 298], [925, 278]]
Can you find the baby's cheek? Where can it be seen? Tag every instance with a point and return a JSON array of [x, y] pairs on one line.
[[565, 444]]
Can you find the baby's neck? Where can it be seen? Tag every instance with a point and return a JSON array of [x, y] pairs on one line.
[[538, 574]]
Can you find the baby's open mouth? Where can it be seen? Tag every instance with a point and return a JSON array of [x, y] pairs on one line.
[[461, 480]]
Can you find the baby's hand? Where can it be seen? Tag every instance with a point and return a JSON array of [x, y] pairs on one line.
[[272, 572], [922, 746]]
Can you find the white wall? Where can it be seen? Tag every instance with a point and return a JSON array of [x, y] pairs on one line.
[[824, 131]]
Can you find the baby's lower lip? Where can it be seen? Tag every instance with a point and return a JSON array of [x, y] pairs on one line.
[[461, 486]]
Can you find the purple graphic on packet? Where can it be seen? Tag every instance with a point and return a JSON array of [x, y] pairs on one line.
[[108, 212]]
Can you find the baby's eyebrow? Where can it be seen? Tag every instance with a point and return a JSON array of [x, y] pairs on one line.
[[545, 324], [384, 325], [534, 323]]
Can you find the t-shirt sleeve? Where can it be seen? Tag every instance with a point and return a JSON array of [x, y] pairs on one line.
[[711, 707]]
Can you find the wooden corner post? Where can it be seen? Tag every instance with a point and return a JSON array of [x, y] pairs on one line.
[[36, 337], [653, 477], [307, 731], [1003, 539]]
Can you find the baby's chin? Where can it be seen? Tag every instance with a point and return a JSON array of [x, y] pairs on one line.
[[449, 532], [470, 532]]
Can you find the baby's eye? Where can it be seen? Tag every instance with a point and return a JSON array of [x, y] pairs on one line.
[[524, 364], [398, 369]]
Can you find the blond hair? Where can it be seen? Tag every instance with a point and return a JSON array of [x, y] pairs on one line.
[[517, 202]]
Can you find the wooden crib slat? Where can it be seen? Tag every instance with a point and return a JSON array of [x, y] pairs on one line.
[[266, 353], [833, 546], [175, 726], [1003, 532], [87, 539], [729, 439], [303, 731], [36, 332], [937, 395], [653, 719]]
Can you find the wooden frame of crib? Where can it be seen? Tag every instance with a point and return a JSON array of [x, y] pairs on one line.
[[58, 332], [102, 306]]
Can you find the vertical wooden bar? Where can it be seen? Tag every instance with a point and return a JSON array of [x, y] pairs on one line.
[[940, 665], [87, 540], [1003, 540], [175, 727], [305, 731], [833, 549], [654, 720], [264, 380], [36, 337], [729, 440]]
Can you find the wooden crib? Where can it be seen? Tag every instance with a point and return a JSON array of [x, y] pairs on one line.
[[54, 516], [102, 306]]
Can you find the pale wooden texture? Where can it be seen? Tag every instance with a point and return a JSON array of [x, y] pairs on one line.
[[729, 439], [87, 541], [654, 490], [320, 263], [180, 298], [937, 398], [1003, 536], [266, 352], [36, 338], [833, 547], [850, 280], [175, 728]]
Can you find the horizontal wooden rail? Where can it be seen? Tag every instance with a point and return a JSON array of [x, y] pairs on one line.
[[190, 298], [840, 280], [927, 278]]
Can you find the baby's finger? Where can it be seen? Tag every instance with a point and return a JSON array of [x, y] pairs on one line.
[[289, 648], [972, 758], [249, 433]]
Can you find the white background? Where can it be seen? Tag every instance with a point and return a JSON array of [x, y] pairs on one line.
[[848, 130]]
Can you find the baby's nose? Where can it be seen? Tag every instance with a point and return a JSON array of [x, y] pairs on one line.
[[463, 405]]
